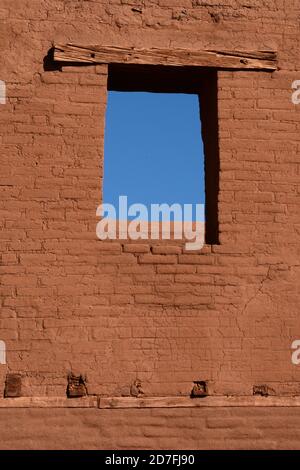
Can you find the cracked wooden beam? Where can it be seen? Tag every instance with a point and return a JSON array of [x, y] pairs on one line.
[[260, 60]]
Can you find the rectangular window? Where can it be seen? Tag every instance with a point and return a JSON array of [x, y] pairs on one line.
[[154, 152]]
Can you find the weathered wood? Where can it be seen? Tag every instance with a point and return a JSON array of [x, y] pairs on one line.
[[49, 402], [263, 60], [185, 402], [13, 386], [151, 402], [76, 386]]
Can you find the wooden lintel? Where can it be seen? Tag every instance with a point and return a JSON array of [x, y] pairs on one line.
[[262, 60]]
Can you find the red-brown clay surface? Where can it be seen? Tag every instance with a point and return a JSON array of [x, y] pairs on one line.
[[121, 310]]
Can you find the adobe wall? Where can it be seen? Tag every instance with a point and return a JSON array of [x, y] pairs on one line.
[[233, 429], [120, 310]]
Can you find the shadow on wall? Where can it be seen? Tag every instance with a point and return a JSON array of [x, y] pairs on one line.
[[51, 65]]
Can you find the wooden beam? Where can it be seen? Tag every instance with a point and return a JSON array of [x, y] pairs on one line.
[[186, 402], [261, 60], [151, 402], [49, 402]]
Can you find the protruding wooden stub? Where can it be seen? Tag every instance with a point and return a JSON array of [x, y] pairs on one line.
[[13, 386]]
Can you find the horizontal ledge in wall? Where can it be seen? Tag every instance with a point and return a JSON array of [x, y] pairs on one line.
[[49, 402], [185, 402], [263, 60], [153, 402]]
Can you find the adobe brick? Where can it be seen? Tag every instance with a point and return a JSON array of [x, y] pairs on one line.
[[194, 278], [157, 259], [195, 259], [176, 269], [154, 299]]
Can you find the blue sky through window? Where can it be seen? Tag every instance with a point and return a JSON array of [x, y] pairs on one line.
[[153, 149]]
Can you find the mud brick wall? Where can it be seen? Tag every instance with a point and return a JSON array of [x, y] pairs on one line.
[[120, 310], [151, 429]]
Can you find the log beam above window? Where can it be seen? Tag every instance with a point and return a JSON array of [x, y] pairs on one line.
[[261, 60]]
